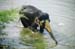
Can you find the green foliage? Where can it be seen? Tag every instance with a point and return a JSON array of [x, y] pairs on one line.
[[8, 15], [35, 39]]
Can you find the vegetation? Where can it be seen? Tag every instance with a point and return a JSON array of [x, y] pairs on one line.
[[27, 37], [34, 39], [7, 15]]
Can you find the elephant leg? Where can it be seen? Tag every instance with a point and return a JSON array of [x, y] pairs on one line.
[[25, 22]]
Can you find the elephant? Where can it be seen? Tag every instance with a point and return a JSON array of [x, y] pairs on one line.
[[33, 18]]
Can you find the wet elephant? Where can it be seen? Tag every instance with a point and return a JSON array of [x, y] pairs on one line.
[[32, 17]]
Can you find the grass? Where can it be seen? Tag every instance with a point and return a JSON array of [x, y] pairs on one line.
[[34, 39], [26, 35], [7, 15]]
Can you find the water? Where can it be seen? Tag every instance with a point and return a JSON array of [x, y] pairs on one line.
[[14, 36], [62, 22]]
